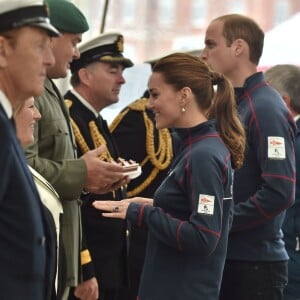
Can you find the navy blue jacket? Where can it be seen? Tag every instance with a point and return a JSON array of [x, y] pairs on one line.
[[189, 223], [264, 187], [27, 244], [291, 230]]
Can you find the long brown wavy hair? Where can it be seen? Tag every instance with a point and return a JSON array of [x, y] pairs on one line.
[[183, 70]]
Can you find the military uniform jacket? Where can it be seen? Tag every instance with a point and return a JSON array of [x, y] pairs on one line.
[[53, 155], [106, 238], [130, 134], [27, 243]]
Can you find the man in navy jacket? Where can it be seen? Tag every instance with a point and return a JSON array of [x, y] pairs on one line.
[[256, 265], [27, 244]]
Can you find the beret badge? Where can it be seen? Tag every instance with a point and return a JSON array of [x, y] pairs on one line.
[[47, 10]]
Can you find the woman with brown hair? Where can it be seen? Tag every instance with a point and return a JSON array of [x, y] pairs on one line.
[[191, 213], [26, 115]]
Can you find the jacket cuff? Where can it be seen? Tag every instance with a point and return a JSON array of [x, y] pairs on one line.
[[86, 265]]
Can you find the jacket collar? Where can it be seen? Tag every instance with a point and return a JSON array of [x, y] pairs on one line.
[[250, 83]]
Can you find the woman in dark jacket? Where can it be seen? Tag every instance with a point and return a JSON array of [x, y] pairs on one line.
[[191, 213]]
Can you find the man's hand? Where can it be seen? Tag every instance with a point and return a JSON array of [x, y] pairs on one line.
[[87, 290], [102, 177]]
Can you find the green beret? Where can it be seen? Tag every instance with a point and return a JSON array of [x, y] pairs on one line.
[[66, 17]]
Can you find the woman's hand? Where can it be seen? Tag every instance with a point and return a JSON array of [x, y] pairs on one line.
[[118, 209], [140, 200], [114, 209]]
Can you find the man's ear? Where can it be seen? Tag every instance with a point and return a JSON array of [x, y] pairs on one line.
[[84, 76], [287, 101], [239, 46], [3, 52]]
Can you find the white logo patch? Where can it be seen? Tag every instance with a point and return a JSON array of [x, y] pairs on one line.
[[206, 204], [276, 147]]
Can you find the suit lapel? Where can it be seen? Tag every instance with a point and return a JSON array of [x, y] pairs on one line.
[[18, 150]]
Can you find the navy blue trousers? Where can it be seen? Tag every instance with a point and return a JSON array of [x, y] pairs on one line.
[[253, 280]]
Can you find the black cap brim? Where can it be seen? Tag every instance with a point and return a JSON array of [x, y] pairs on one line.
[[126, 62], [28, 16], [85, 60]]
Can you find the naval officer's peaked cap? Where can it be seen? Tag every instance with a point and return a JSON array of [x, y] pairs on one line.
[[19, 13], [106, 47]]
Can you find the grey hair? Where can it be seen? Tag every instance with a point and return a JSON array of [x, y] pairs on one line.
[[285, 79]]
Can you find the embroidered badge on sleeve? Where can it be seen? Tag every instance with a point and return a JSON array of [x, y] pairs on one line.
[[276, 147], [206, 204]]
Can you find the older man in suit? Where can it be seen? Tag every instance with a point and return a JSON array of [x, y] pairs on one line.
[[27, 248]]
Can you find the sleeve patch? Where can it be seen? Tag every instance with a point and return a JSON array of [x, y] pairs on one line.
[[206, 204], [276, 147]]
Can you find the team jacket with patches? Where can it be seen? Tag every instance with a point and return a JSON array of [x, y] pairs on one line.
[[190, 220], [291, 230], [264, 187]]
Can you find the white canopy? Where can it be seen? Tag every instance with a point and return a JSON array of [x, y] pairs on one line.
[[282, 44]]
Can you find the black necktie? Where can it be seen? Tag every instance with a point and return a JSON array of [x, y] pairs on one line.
[[100, 123], [13, 122]]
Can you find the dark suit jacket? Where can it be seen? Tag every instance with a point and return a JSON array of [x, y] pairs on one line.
[[27, 244], [106, 238]]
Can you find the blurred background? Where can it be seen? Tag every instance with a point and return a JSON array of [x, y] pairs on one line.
[[153, 28]]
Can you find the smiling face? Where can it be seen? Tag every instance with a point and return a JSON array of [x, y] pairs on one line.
[[165, 102], [104, 82], [25, 55], [26, 116]]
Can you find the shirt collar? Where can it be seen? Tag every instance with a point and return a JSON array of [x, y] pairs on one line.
[[85, 103], [296, 118], [6, 104]]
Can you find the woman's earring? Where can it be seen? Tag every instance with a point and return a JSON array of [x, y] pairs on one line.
[[183, 109]]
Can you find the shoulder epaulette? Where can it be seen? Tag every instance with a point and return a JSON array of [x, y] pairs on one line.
[[137, 105], [68, 103]]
